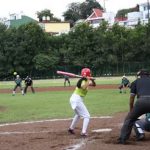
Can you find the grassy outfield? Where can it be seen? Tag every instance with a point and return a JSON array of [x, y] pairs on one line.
[[46, 105], [60, 82]]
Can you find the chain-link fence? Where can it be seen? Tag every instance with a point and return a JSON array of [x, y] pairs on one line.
[[126, 68], [104, 70]]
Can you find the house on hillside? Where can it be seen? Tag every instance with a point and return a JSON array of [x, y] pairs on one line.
[[144, 8], [133, 18], [98, 16], [121, 20], [53, 28], [17, 20]]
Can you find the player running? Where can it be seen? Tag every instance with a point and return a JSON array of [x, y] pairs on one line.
[[77, 104], [18, 82]]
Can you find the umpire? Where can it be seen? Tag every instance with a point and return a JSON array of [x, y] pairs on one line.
[[140, 88], [28, 82]]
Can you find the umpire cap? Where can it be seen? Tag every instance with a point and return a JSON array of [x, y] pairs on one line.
[[143, 72]]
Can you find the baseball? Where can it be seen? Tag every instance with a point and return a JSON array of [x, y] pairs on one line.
[[15, 73]]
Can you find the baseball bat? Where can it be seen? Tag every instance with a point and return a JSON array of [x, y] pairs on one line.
[[71, 74], [68, 74]]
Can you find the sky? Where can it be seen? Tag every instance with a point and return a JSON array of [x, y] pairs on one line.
[[57, 7]]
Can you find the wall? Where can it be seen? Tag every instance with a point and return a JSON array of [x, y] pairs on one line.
[[57, 27]]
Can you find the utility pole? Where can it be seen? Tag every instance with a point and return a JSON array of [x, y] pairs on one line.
[[104, 6], [148, 9]]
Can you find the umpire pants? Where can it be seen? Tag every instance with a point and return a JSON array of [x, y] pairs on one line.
[[142, 106], [26, 87]]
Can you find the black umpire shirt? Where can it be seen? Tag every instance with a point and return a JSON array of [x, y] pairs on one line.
[[28, 81], [141, 86]]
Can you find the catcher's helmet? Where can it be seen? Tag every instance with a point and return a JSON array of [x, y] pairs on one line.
[[86, 72]]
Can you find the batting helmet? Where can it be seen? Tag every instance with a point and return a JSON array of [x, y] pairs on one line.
[[17, 76], [123, 76], [86, 72]]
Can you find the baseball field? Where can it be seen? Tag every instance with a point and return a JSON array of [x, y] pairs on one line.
[[40, 121]]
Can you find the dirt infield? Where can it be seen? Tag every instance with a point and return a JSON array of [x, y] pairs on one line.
[[61, 88], [53, 135]]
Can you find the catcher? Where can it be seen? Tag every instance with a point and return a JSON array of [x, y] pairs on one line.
[[142, 125], [28, 82], [77, 103]]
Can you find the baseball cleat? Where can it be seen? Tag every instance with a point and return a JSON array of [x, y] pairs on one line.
[[140, 137], [71, 131], [84, 135], [121, 141]]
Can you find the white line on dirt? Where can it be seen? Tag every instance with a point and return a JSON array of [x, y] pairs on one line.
[[51, 120], [17, 132], [77, 146], [102, 130]]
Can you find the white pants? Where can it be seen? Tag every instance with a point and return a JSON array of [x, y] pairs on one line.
[[80, 110]]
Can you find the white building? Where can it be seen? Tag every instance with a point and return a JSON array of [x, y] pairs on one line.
[[134, 17], [145, 11]]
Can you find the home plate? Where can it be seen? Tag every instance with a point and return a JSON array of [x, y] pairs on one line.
[[102, 130]]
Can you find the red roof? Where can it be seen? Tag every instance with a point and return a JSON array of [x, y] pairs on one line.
[[96, 13], [121, 19]]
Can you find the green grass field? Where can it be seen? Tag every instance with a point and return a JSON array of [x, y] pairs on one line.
[[47, 105]]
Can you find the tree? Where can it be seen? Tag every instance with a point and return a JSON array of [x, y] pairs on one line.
[[78, 11], [43, 61], [123, 12], [73, 13], [86, 8], [80, 47], [3, 60], [48, 16], [32, 41]]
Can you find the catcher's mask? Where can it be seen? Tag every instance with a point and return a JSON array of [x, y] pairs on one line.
[[86, 72], [143, 72]]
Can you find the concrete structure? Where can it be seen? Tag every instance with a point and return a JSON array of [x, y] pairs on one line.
[[55, 28]]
